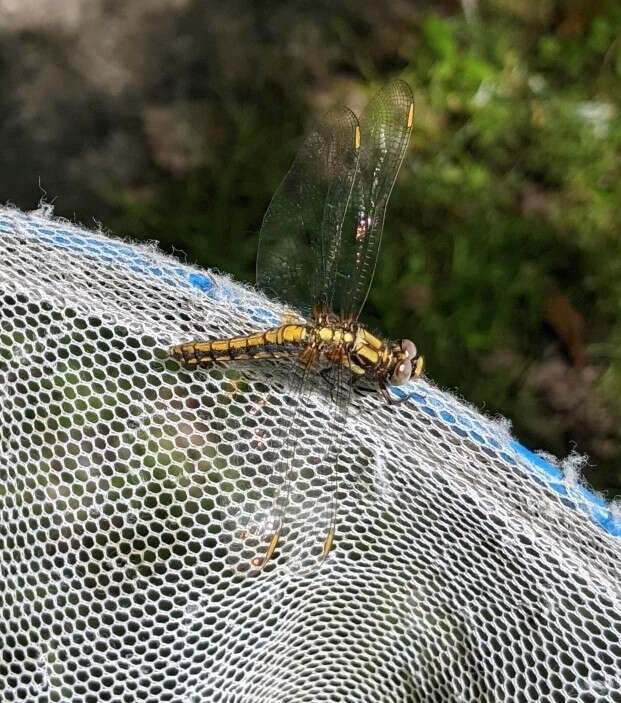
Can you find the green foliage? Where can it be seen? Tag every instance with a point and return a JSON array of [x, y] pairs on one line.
[[510, 191]]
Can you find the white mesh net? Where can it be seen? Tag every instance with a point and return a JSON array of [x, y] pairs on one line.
[[465, 568]]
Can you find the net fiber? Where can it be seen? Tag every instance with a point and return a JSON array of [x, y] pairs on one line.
[[464, 569]]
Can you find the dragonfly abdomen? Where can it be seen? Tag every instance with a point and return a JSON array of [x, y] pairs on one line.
[[275, 343]]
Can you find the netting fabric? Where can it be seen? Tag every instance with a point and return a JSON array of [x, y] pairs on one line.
[[464, 569]]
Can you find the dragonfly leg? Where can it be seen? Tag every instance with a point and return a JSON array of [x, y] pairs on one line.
[[329, 378], [325, 375], [308, 356], [381, 387]]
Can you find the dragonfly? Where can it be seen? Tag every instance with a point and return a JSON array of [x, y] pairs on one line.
[[318, 249]]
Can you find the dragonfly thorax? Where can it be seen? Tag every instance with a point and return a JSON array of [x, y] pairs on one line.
[[337, 340], [333, 340]]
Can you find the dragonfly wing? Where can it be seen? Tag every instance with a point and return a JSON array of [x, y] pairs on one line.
[[275, 444], [385, 128], [301, 230], [290, 514], [312, 510]]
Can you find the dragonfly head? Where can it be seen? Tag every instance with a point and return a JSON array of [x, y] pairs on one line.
[[408, 363]]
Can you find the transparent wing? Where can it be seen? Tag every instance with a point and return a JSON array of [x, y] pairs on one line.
[[268, 519], [319, 247], [311, 516], [289, 514], [301, 231], [385, 128]]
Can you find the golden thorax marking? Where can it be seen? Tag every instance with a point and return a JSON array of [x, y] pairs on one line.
[[335, 335]]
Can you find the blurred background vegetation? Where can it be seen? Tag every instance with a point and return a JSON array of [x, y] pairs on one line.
[[174, 120]]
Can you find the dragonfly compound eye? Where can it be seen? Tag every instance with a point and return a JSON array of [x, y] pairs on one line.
[[402, 372], [408, 348]]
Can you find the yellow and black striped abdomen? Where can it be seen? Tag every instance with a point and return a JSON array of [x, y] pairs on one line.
[[283, 341]]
